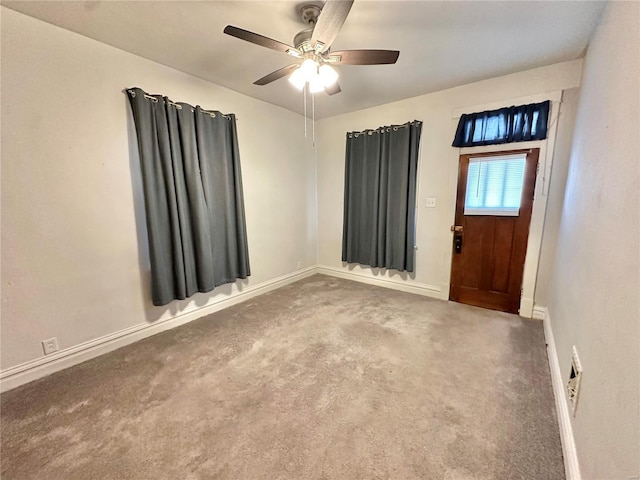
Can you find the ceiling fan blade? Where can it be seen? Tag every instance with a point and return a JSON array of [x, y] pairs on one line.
[[364, 57], [333, 89], [261, 40], [330, 21], [282, 72]]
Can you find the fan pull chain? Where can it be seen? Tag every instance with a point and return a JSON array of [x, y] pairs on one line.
[[313, 119], [304, 100]]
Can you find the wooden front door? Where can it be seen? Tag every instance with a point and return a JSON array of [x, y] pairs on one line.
[[492, 228]]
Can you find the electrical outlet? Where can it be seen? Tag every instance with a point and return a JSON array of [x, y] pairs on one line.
[[50, 346], [431, 202]]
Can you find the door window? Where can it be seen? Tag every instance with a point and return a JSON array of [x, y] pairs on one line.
[[494, 185]]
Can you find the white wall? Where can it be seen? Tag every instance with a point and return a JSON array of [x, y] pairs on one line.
[[555, 200], [595, 294], [437, 167], [74, 258]]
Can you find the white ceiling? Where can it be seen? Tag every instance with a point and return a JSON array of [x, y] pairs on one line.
[[442, 43]]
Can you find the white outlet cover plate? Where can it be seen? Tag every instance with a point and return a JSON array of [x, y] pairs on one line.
[[50, 345], [431, 202]]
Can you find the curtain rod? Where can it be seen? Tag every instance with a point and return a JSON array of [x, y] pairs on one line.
[[211, 113], [371, 131]]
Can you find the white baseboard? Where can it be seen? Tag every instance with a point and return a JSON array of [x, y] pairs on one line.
[[413, 287], [571, 465], [539, 312], [27, 372]]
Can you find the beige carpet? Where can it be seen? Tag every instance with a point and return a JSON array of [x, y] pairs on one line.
[[322, 379]]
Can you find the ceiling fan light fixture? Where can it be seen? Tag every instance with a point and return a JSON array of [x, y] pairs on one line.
[[317, 76]]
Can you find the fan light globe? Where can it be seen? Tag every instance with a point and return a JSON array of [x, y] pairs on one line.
[[298, 79], [328, 75], [315, 84], [309, 68]]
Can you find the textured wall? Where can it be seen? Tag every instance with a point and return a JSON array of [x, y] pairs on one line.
[[74, 256], [595, 295]]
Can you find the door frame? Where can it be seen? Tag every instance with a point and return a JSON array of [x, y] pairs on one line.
[[541, 190]]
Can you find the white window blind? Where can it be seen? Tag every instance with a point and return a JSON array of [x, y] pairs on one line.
[[494, 185]]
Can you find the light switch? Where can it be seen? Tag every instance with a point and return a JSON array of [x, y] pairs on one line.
[[431, 202]]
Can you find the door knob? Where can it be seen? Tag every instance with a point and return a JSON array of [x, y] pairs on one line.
[[456, 228]]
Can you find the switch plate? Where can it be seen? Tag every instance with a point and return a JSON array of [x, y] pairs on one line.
[[431, 202], [50, 346]]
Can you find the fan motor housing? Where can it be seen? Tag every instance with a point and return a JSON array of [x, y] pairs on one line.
[[301, 37]]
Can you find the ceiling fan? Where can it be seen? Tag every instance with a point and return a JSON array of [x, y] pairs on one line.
[[312, 48]]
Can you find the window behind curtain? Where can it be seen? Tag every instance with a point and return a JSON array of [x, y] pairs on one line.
[[192, 181], [380, 196]]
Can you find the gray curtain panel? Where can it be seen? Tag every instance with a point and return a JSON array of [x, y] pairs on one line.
[[193, 196], [380, 196]]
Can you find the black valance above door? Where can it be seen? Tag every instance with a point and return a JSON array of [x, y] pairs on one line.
[[506, 125]]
